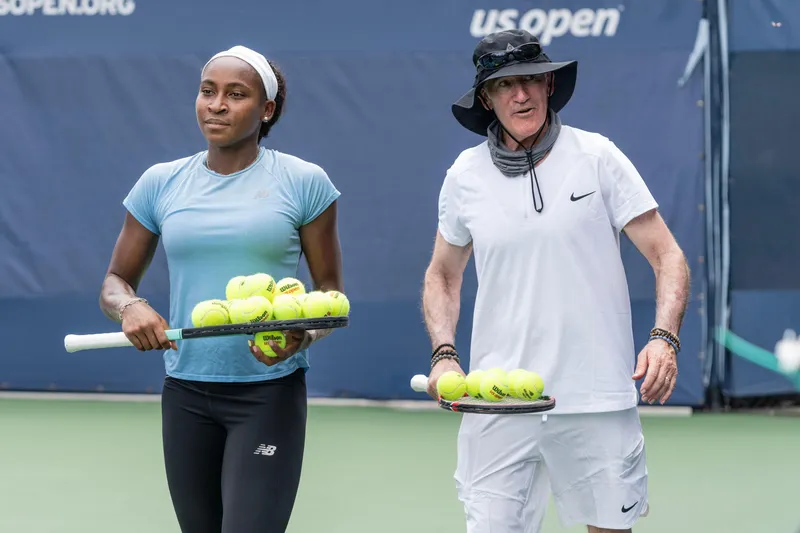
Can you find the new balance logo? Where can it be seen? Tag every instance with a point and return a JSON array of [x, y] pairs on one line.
[[263, 449]]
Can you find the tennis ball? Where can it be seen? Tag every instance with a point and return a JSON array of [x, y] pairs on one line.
[[451, 385], [316, 305], [233, 289], [340, 305], [529, 386], [258, 285], [289, 286], [493, 387], [263, 337], [286, 307], [210, 313], [249, 310], [787, 352], [474, 383], [512, 381], [500, 374]]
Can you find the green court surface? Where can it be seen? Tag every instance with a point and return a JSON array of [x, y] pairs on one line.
[[91, 467]]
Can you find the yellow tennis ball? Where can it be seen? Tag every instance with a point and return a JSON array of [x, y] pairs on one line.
[[512, 381], [233, 289], [530, 386], [286, 307], [340, 305], [501, 374], [316, 305], [250, 310], [289, 286], [226, 304], [263, 337], [210, 313], [451, 385], [493, 387], [259, 284], [474, 383], [300, 297]]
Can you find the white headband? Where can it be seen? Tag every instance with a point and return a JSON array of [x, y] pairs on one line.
[[258, 62]]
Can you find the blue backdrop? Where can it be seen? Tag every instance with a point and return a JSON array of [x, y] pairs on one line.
[[94, 99], [764, 186]]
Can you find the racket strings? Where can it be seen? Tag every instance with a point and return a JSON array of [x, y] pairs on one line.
[[506, 400]]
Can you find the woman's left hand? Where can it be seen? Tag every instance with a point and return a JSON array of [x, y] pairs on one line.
[[295, 342]]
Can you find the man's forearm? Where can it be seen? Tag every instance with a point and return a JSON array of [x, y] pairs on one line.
[[441, 302], [672, 291]]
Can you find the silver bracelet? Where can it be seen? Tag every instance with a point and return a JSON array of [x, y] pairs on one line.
[[129, 303]]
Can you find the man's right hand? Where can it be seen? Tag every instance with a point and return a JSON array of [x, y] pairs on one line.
[[444, 365], [145, 328]]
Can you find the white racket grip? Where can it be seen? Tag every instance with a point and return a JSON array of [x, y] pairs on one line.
[[76, 343], [94, 341], [419, 383]]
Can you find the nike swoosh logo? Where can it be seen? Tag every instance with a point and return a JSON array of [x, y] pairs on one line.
[[576, 198], [624, 510]]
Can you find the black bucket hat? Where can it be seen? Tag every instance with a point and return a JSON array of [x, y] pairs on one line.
[[511, 53]]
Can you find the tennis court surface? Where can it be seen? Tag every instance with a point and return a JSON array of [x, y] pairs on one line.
[[90, 467]]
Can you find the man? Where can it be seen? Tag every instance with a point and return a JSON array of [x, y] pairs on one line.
[[542, 205]]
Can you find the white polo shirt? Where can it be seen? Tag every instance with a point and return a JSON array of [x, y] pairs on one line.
[[552, 293]]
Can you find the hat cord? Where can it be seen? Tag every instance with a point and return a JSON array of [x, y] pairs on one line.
[[531, 165]]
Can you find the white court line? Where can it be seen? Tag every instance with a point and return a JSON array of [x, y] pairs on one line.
[[411, 405]]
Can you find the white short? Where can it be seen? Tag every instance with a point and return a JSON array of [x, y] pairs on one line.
[[592, 463]]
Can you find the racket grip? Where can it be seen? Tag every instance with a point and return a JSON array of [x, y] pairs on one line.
[[76, 343], [419, 383]]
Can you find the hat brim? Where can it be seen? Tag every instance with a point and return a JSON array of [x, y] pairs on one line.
[[472, 115]]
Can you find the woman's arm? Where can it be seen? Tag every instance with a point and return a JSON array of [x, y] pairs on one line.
[[321, 246], [131, 257], [320, 242]]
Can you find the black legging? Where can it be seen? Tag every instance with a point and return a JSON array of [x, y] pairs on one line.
[[233, 452]]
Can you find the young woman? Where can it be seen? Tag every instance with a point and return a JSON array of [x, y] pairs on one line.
[[233, 419]]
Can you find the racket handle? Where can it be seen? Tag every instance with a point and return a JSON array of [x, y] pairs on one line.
[[76, 343], [419, 383], [94, 341]]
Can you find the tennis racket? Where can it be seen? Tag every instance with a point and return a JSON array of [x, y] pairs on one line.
[[506, 406], [76, 343]]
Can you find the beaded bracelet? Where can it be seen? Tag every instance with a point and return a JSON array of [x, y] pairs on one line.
[[445, 354], [129, 303], [655, 332], [445, 345], [667, 340]]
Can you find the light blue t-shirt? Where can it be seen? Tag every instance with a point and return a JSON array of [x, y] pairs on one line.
[[214, 227]]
